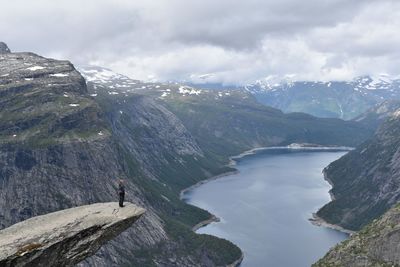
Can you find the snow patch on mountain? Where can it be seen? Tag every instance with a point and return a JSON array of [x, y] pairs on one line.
[[188, 90], [35, 68]]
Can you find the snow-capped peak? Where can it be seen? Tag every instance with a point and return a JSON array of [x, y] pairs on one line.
[[271, 83]]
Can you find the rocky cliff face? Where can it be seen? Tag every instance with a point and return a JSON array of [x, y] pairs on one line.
[[66, 237], [366, 180], [374, 117], [56, 150], [376, 245], [43, 101], [59, 148]]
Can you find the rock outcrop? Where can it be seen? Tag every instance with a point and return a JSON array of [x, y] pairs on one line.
[[44, 101], [66, 237], [4, 48], [376, 245]]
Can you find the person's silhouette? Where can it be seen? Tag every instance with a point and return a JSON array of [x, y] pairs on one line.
[[121, 192]]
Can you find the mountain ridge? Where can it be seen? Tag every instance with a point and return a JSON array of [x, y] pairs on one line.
[[365, 181]]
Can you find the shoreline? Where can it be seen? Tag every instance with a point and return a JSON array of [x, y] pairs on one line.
[[318, 221], [201, 224], [330, 183], [233, 162], [212, 178], [237, 262]]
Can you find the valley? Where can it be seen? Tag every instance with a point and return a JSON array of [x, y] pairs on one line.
[[199, 133], [66, 135]]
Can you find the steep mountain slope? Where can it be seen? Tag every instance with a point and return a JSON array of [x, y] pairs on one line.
[[376, 245], [59, 149], [334, 99], [379, 113], [366, 181], [234, 122], [225, 123]]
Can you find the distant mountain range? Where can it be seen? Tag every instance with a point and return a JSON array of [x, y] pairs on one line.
[[230, 119], [333, 99]]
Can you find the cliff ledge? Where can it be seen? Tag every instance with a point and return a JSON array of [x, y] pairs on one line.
[[65, 237]]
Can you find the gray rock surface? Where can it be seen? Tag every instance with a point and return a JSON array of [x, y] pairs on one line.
[[376, 245], [4, 48], [374, 117], [66, 237], [61, 148], [366, 181]]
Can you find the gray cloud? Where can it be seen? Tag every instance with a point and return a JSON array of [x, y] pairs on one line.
[[236, 41]]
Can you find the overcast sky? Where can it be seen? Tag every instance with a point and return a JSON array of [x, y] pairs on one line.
[[233, 41]]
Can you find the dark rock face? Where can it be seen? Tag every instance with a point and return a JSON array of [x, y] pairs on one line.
[[59, 149], [366, 181], [376, 245], [4, 48], [56, 151], [66, 237]]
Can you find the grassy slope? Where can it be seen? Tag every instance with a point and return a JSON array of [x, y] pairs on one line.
[[228, 126]]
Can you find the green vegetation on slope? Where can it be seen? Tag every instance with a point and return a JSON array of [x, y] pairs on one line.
[[375, 245], [173, 174], [366, 180], [230, 125]]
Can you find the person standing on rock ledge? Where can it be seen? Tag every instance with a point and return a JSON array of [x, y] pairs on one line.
[[121, 192]]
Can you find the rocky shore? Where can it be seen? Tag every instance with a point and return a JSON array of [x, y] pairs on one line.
[[237, 262], [318, 221], [201, 224]]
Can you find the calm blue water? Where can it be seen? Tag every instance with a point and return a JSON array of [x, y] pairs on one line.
[[264, 209]]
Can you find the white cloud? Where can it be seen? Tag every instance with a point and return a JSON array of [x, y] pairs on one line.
[[235, 41]]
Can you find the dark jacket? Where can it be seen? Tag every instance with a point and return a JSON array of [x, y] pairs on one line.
[[121, 189]]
